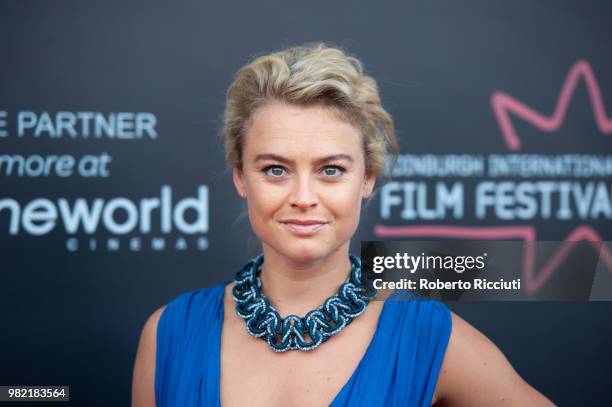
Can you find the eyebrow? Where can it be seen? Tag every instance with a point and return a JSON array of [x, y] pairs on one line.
[[276, 157]]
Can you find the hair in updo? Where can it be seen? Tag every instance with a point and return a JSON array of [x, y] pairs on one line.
[[311, 74]]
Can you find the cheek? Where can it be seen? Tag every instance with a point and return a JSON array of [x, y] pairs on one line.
[[346, 204], [263, 203]]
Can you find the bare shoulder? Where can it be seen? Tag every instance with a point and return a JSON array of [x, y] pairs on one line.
[[143, 379], [476, 373]]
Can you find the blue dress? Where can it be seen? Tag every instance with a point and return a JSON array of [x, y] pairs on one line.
[[400, 366]]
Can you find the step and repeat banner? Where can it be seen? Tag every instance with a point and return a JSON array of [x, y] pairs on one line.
[[115, 197]]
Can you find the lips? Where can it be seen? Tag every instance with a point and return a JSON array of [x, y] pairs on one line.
[[303, 227]]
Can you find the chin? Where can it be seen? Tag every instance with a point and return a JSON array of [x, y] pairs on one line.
[[303, 252], [316, 250]]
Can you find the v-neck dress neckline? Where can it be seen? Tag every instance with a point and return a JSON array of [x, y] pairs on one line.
[[221, 310], [400, 366]]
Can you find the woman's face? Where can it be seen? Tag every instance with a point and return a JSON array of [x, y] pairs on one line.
[[303, 176]]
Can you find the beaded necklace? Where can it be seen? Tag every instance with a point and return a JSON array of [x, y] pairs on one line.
[[292, 332]]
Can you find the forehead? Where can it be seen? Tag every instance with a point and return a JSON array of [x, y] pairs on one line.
[[301, 131]]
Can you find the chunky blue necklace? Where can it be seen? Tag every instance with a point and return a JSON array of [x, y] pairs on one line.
[[292, 332]]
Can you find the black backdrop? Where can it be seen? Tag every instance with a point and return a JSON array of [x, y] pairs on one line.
[[71, 313]]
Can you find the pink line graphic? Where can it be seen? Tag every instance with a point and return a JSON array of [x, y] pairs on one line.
[[533, 282], [504, 104]]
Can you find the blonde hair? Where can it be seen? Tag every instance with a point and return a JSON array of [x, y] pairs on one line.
[[310, 74]]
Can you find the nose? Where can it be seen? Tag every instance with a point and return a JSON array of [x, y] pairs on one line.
[[303, 192]]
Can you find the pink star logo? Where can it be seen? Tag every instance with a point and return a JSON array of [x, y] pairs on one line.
[[504, 104]]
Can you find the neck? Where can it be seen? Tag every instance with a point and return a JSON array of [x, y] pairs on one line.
[[296, 287]]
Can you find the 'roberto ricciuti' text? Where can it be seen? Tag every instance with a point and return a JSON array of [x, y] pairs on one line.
[[425, 284], [459, 264]]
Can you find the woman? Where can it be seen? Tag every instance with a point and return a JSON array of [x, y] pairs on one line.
[[306, 136]]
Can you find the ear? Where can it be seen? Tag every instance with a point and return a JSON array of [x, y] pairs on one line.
[[238, 179], [368, 184]]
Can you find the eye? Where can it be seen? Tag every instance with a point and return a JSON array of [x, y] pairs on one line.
[[333, 170], [274, 171]]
